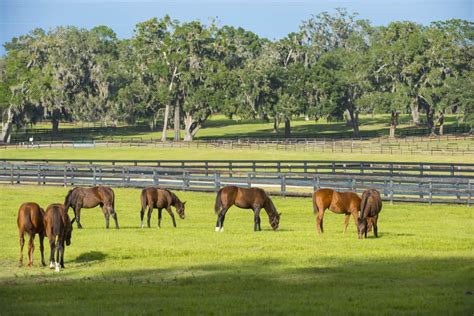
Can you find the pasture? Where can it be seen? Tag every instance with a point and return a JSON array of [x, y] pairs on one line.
[[421, 264]]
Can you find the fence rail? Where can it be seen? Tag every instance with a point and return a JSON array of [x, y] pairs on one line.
[[348, 167], [449, 145], [457, 190]]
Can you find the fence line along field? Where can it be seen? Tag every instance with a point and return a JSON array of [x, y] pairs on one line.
[[421, 262]]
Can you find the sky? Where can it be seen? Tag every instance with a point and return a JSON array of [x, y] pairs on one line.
[[272, 19]]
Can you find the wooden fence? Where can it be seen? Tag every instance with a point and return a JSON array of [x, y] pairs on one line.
[[347, 167], [448, 145], [457, 190]]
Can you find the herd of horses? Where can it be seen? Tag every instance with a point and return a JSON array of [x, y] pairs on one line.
[[56, 225]]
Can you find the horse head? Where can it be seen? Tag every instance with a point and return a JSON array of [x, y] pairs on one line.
[[180, 209], [275, 221]]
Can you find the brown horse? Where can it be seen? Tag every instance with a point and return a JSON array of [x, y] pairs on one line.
[[160, 199], [78, 198], [58, 227], [30, 221], [339, 202], [370, 208], [247, 198]]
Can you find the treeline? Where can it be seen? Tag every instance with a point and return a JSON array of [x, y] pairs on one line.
[[334, 66]]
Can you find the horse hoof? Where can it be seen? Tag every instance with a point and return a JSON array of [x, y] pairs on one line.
[[51, 265], [222, 230]]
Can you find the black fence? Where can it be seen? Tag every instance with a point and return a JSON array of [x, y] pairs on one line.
[[415, 188], [348, 167]]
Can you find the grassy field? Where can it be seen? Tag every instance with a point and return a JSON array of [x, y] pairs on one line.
[[421, 264], [218, 126], [215, 153]]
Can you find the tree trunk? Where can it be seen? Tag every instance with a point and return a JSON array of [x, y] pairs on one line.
[[430, 121], [177, 136], [415, 114], [190, 127], [441, 123], [287, 127], [7, 127], [393, 123], [276, 123], [355, 122], [55, 125], [165, 123]]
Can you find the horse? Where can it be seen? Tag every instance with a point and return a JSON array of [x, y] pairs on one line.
[[30, 221], [160, 199], [58, 228], [338, 202], [370, 208], [246, 198], [79, 197]]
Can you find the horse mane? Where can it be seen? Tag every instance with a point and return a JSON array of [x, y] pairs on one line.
[[269, 206], [174, 197], [68, 199]]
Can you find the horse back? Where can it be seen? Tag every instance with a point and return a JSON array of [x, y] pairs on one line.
[[56, 220], [30, 218], [158, 198], [249, 197], [371, 203], [322, 198]]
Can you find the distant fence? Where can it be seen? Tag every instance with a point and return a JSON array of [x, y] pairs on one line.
[[425, 189], [448, 145], [347, 167], [83, 133]]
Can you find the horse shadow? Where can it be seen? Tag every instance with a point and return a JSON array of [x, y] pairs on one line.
[[90, 256]]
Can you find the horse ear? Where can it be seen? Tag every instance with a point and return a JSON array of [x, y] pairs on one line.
[[279, 214], [184, 202]]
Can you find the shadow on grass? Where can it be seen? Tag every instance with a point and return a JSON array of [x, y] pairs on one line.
[[90, 256], [333, 285]]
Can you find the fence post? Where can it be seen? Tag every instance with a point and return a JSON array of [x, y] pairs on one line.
[[217, 180], [11, 173], [249, 179], [431, 192], [65, 175], [39, 174], [185, 180], [155, 178], [391, 191], [353, 184], [469, 193], [94, 174], [283, 185]]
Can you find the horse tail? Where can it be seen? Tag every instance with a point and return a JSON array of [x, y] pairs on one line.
[[315, 205], [218, 205], [363, 205], [143, 200], [67, 200]]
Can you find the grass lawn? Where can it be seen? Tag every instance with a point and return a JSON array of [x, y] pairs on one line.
[[215, 153], [421, 264]]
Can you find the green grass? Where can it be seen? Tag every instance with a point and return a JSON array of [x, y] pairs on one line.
[[218, 126], [215, 153], [421, 264]]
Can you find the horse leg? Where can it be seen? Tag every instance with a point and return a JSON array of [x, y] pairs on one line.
[[59, 250], [171, 214], [160, 213], [62, 255], [256, 219], [319, 220], [150, 210], [107, 219], [142, 213], [375, 226], [346, 222], [31, 249], [51, 256], [77, 213], [355, 214], [222, 218], [114, 216], [41, 240], [22, 243]]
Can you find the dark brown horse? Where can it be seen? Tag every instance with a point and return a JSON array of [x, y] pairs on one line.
[[247, 198], [58, 227], [30, 221], [370, 208], [160, 199], [78, 198], [339, 202]]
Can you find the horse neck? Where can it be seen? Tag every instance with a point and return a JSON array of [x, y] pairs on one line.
[[175, 200], [270, 208]]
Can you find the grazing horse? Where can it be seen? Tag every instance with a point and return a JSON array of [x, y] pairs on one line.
[[247, 198], [339, 202], [78, 198], [160, 199], [30, 221], [370, 208], [58, 227]]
